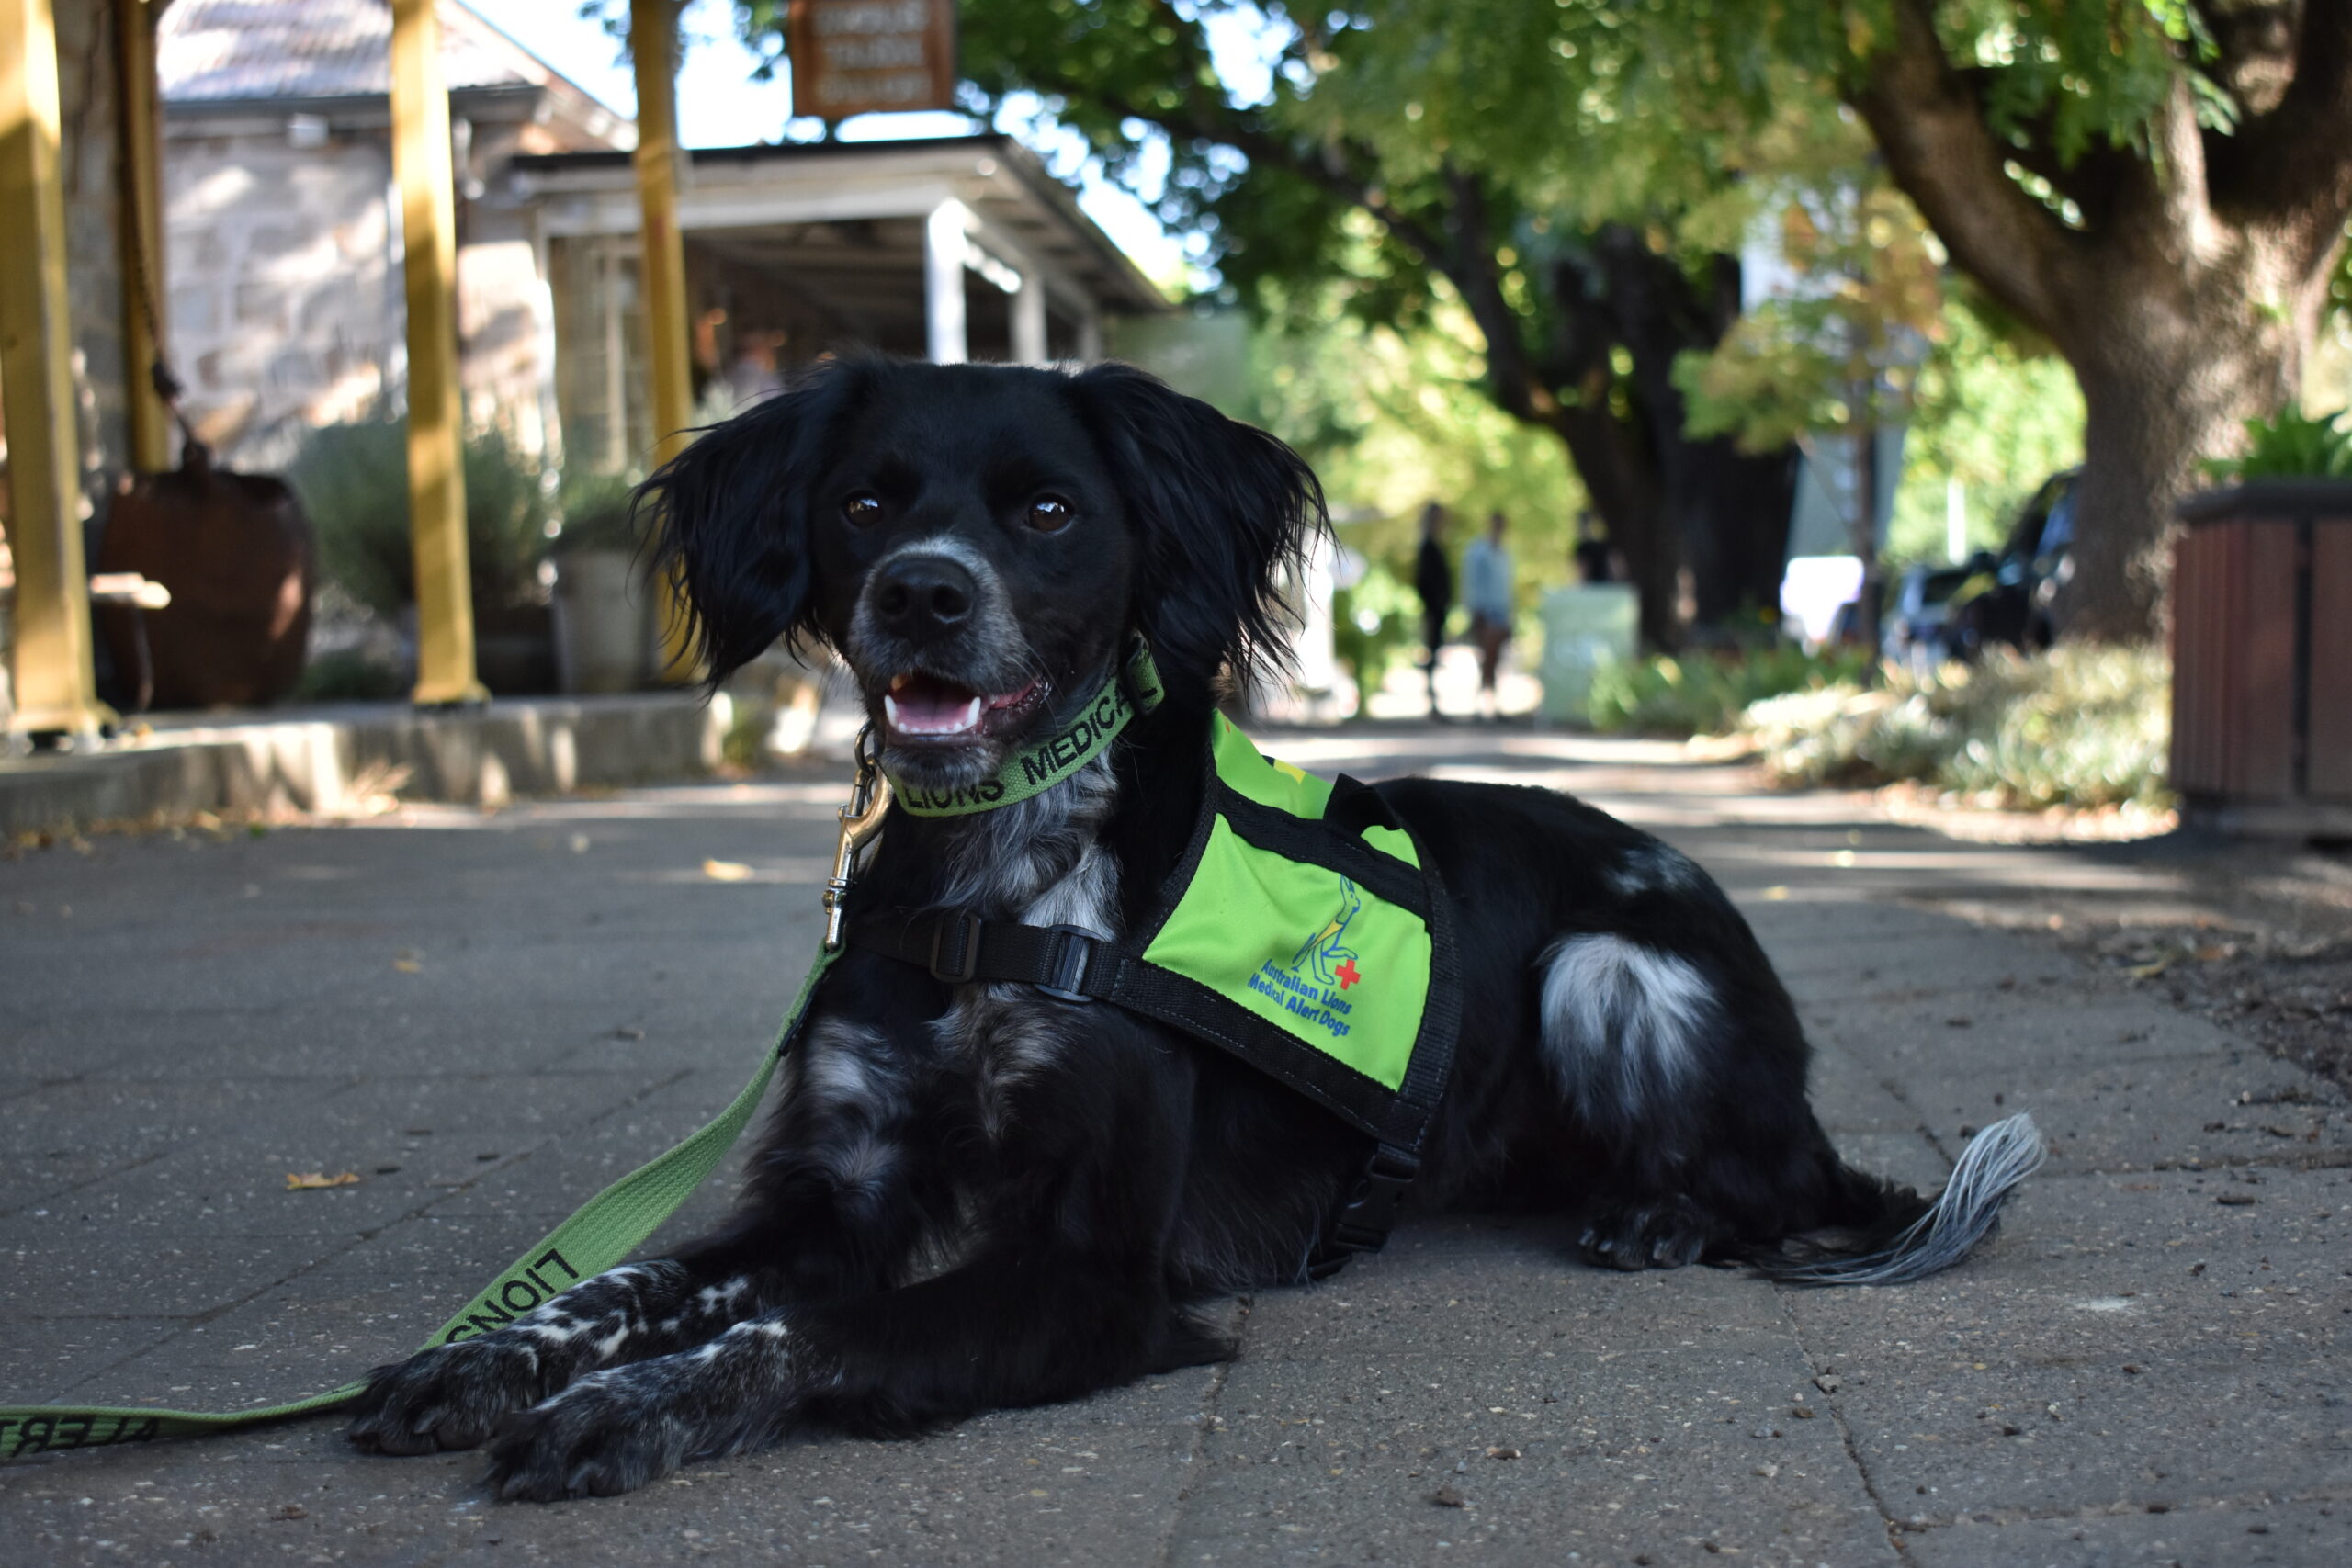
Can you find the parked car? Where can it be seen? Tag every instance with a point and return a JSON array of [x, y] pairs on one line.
[[2009, 597], [1916, 629]]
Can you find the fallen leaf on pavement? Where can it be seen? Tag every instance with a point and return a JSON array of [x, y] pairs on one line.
[[306, 1181]]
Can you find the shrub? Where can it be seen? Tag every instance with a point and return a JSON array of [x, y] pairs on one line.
[[2289, 445], [1374, 624], [596, 514], [2075, 725], [1704, 694], [353, 479]]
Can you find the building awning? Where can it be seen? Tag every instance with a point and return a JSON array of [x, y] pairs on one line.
[[837, 216]]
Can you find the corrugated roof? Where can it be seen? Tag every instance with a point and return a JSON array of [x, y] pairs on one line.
[[224, 50]]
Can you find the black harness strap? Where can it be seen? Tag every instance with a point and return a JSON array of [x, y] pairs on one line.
[[1063, 962], [1370, 1211]]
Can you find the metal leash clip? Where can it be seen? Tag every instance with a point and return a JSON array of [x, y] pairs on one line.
[[861, 820]]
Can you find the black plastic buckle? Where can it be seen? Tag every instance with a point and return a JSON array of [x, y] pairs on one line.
[[967, 927], [1365, 1221], [1072, 958]]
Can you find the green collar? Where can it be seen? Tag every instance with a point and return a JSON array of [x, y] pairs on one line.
[[1134, 687]]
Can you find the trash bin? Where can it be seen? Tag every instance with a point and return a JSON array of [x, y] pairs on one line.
[[605, 629], [1584, 628], [2262, 659]]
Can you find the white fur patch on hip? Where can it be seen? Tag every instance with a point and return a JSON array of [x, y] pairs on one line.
[[1623, 1024]]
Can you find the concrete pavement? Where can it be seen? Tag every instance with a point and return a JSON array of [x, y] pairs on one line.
[[485, 1016]]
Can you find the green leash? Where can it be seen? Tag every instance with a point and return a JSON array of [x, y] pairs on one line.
[[612, 1225]]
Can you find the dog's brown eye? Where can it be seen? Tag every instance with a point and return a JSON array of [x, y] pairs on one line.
[[1049, 514], [864, 509]]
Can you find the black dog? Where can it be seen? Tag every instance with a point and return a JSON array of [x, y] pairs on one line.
[[978, 1195]]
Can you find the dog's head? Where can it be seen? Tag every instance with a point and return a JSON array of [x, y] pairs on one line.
[[977, 541]]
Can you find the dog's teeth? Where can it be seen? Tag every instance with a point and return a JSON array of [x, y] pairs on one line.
[[955, 721]]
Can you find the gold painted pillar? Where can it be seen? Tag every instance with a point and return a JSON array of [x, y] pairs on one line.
[[437, 480], [56, 685], [144, 290], [653, 41]]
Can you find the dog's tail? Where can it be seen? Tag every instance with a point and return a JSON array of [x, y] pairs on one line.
[[1920, 1239]]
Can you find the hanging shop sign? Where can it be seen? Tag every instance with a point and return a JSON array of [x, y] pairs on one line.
[[872, 56]]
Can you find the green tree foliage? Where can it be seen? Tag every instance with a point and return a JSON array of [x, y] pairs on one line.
[[1517, 158], [1392, 419], [1842, 353], [2157, 187], [1993, 409]]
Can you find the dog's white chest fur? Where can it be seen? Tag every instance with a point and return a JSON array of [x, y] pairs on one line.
[[1042, 865], [1038, 862]]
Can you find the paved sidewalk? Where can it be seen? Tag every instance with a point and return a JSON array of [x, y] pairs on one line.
[[486, 1017]]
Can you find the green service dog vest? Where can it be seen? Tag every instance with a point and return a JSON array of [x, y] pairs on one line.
[[1302, 931]]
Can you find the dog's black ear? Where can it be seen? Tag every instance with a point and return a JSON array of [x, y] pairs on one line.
[[1220, 508], [727, 518]]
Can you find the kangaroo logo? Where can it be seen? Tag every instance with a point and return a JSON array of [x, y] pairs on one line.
[[1323, 955]]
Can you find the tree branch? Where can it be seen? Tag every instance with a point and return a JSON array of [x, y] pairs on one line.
[[2253, 47], [1463, 255], [2293, 165], [1471, 267], [1932, 131], [2180, 205], [2091, 182]]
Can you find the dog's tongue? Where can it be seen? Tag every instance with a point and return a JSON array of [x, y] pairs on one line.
[[924, 705]]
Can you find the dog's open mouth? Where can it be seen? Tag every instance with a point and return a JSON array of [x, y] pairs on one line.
[[929, 710]]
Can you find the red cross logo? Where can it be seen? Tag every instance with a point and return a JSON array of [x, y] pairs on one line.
[[1347, 973]]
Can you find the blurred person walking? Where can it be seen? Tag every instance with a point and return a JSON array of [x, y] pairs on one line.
[[1487, 589], [1433, 581]]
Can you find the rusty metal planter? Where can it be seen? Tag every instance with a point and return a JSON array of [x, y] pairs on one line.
[[2262, 659]]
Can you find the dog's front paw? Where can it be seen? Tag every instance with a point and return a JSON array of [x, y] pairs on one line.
[[605, 1435], [450, 1396], [1666, 1235]]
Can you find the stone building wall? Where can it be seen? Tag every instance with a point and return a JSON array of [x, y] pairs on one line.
[[286, 283], [285, 307]]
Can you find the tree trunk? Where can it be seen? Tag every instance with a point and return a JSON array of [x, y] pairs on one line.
[[1734, 509], [1729, 511], [2170, 363], [1624, 491], [1668, 502]]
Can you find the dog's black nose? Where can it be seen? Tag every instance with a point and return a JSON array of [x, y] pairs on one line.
[[919, 593]]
